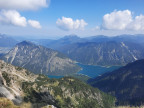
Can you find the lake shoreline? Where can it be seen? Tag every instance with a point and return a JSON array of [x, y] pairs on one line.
[[95, 71], [106, 66], [90, 71]]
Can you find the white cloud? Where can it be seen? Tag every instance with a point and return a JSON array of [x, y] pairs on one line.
[[23, 4], [117, 20], [123, 20], [70, 24], [137, 23], [34, 24], [12, 17], [9, 14], [96, 28]]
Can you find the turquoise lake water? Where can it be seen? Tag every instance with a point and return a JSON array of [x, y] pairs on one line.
[[57, 77], [94, 71], [91, 71]]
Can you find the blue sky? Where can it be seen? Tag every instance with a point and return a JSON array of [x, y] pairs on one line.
[[88, 13]]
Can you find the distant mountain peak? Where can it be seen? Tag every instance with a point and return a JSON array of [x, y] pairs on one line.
[[71, 36], [25, 43], [6, 41]]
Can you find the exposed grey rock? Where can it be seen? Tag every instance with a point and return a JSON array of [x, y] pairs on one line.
[[40, 60], [104, 53]]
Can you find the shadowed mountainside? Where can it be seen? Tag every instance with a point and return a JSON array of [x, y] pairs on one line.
[[125, 83]]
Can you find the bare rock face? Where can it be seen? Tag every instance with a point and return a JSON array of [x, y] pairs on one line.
[[39, 59], [10, 81]]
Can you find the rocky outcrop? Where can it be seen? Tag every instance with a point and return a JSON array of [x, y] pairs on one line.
[[10, 81]]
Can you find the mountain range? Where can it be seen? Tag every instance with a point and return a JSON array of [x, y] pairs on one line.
[[104, 53], [96, 50], [59, 57], [71, 39], [39, 59], [7, 41], [100, 50]]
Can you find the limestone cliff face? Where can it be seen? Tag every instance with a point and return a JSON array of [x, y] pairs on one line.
[[10, 81], [39, 59]]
